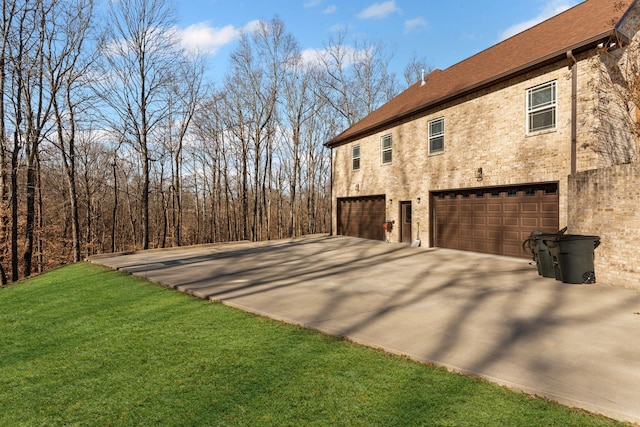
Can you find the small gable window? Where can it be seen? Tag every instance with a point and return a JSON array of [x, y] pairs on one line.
[[386, 149], [541, 107], [355, 157], [436, 136]]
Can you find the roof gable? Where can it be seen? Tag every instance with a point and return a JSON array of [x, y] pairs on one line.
[[577, 27]]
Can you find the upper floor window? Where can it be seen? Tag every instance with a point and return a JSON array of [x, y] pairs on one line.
[[541, 107], [355, 157], [386, 149], [436, 136]]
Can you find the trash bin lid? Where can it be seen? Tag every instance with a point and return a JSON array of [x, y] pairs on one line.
[[565, 237]]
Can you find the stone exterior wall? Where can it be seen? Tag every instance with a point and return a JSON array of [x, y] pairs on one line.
[[605, 202], [485, 130]]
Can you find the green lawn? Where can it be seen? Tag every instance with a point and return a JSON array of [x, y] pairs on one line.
[[83, 345]]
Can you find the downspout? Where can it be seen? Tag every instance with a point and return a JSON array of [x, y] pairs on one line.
[[331, 191], [574, 111]]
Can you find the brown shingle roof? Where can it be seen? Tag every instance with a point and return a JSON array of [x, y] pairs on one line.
[[582, 25]]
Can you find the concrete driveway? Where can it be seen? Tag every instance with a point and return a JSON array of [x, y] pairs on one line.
[[485, 315]]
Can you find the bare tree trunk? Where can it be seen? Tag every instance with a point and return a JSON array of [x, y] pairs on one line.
[[69, 163], [31, 197], [165, 211], [114, 212], [15, 275], [8, 13], [39, 244], [37, 108]]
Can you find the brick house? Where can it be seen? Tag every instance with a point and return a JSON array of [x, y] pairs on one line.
[[476, 156]]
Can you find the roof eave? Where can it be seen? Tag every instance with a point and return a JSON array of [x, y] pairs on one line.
[[523, 69]]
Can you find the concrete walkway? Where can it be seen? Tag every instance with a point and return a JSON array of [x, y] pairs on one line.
[[485, 315]]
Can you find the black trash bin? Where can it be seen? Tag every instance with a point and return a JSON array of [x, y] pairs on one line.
[[572, 256], [540, 251]]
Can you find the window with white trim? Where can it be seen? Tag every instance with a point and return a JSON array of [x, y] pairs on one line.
[[541, 107], [355, 157], [436, 136], [386, 149]]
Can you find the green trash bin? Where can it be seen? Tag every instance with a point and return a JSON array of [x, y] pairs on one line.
[[572, 256], [540, 251]]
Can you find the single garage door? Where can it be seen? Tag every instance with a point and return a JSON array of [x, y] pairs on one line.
[[494, 220], [362, 217]]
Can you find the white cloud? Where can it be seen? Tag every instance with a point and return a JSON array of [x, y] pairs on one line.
[[379, 10], [552, 8], [204, 38], [201, 37], [252, 26], [312, 56], [331, 9], [312, 3], [411, 25]]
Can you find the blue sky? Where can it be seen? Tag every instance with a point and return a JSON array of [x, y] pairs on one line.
[[443, 32]]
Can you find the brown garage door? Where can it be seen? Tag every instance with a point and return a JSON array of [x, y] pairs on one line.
[[362, 217], [494, 220]]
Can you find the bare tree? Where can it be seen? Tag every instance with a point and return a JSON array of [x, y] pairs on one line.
[[299, 105], [66, 69], [415, 69], [616, 80], [185, 96], [139, 50], [259, 65], [354, 79], [32, 109], [164, 165], [9, 12]]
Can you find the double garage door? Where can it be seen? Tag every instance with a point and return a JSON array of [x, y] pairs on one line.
[[362, 217], [494, 220]]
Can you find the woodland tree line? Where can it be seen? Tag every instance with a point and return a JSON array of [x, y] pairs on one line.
[[114, 139]]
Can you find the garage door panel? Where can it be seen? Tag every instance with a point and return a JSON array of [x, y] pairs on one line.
[[512, 250], [466, 245], [531, 222], [466, 232], [494, 234], [480, 234], [512, 222], [495, 220], [512, 207], [512, 235], [530, 207], [549, 223], [494, 247], [480, 247]]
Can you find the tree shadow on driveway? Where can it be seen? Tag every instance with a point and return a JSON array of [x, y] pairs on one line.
[[484, 315]]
